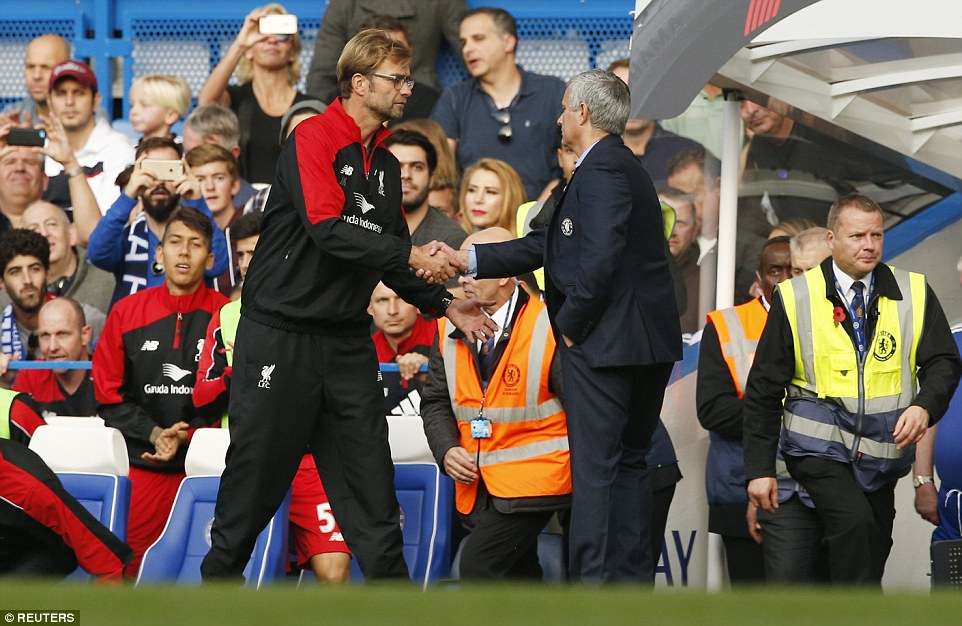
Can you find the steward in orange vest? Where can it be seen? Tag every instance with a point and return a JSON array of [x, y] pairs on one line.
[[495, 424]]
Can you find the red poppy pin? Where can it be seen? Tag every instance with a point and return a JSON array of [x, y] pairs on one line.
[[838, 315]]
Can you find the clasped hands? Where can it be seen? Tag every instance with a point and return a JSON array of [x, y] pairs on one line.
[[437, 262], [166, 441]]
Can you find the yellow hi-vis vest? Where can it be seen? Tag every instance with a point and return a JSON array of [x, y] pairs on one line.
[[7, 396], [229, 319], [843, 407], [527, 453]]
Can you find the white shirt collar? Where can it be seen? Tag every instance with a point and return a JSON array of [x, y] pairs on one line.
[[765, 302], [502, 316], [585, 153], [845, 283]]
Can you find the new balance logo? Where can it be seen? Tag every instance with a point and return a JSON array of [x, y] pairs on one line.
[[266, 371], [347, 170], [175, 373], [150, 345], [362, 203]]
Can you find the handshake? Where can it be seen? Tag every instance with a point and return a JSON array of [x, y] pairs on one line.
[[437, 262]]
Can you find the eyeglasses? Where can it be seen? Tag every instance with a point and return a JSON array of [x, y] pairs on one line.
[[503, 117], [399, 81]]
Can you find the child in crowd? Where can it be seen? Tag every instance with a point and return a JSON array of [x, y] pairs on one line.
[[157, 102], [216, 169]]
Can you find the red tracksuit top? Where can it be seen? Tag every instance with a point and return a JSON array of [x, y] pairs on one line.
[[145, 365]]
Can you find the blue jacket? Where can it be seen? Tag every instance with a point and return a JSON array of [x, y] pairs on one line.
[[128, 251]]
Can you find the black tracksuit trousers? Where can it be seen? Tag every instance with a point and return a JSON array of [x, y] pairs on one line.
[[291, 392]]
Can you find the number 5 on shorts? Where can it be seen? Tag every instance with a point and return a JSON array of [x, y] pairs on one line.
[[325, 517]]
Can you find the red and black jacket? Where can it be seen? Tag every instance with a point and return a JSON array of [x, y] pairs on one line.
[[25, 417], [52, 398], [333, 227], [145, 365]]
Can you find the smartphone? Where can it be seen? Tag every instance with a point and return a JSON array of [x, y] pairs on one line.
[[274, 24], [27, 137], [163, 169]]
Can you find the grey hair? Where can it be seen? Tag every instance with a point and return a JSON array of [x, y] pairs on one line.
[[606, 97], [810, 238]]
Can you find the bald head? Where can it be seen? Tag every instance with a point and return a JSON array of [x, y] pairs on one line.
[[50, 221], [43, 53], [495, 234], [63, 331], [809, 248], [498, 290]]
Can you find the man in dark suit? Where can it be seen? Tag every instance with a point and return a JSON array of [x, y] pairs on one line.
[[610, 297]]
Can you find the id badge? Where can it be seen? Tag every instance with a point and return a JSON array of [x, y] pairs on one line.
[[480, 428]]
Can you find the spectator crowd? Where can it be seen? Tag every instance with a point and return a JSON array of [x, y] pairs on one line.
[[127, 252]]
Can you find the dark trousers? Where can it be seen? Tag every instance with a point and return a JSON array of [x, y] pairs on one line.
[[502, 546], [612, 413], [857, 525], [660, 505], [744, 560], [322, 394], [793, 548]]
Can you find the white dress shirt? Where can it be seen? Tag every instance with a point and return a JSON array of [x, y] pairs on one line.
[[502, 317], [845, 282]]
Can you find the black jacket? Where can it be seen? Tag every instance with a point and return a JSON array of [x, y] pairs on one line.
[[937, 359], [333, 227], [606, 271], [441, 427]]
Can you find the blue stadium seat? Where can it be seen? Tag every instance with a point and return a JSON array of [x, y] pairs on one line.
[[427, 499], [177, 554], [91, 462]]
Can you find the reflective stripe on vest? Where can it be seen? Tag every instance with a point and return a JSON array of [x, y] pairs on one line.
[[229, 319], [739, 329], [527, 453], [840, 407], [7, 396]]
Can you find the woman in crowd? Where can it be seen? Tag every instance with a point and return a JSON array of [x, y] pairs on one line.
[[444, 181], [491, 192], [268, 68]]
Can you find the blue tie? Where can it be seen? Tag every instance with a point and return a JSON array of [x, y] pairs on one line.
[[858, 315]]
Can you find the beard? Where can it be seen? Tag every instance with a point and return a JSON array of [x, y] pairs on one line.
[[160, 211], [415, 203], [29, 302]]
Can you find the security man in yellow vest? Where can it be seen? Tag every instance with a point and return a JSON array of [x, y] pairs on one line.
[[495, 424], [862, 355]]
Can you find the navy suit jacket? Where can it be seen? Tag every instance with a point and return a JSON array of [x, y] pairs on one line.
[[607, 287]]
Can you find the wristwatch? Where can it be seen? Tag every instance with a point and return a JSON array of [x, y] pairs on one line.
[[918, 481]]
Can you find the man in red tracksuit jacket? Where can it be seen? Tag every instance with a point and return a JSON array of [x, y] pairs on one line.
[[305, 374], [44, 531], [144, 369]]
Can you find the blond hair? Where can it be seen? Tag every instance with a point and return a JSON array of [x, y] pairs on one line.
[[446, 173], [163, 90], [245, 69], [364, 52], [512, 192]]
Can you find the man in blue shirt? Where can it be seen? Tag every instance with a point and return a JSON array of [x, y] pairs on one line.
[[127, 251], [502, 111]]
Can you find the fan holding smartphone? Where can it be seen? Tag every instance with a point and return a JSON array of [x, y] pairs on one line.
[[265, 55]]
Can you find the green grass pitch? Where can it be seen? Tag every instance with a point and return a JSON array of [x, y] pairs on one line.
[[489, 606]]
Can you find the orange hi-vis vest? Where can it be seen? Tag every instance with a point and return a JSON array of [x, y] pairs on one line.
[[527, 454], [739, 329]]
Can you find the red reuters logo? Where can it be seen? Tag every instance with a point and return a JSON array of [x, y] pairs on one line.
[[760, 12]]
